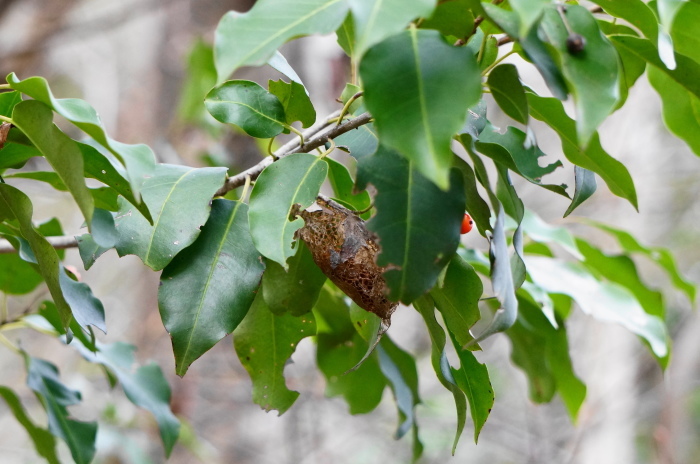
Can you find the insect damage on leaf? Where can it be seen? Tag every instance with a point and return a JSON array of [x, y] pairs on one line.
[[346, 252]]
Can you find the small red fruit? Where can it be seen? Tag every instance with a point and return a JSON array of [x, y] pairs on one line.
[[467, 224]]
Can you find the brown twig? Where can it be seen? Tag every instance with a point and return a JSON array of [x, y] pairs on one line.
[[59, 243]]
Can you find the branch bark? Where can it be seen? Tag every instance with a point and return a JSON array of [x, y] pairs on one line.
[[59, 243]]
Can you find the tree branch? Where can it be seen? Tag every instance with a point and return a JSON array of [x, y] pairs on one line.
[[315, 136]]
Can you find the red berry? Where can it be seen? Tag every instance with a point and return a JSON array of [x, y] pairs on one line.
[[467, 224]]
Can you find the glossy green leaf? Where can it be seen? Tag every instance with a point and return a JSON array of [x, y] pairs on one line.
[[541, 55], [172, 190], [508, 92], [472, 377], [42, 378], [295, 101], [584, 187], [251, 38], [19, 205], [296, 289], [417, 223], [280, 64], [425, 306], [293, 180], [145, 386], [374, 21], [361, 142], [458, 298], [247, 105], [593, 71], [529, 11], [593, 157], [265, 357], [8, 100], [343, 186], [451, 17], [685, 39], [636, 12], [419, 114], [512, 151], [87, 309], [138, 159], [606, 301], [346, 36], [502, 282], [660, 256], [15, 155], [207, 289], [44, 443], [35, 120]]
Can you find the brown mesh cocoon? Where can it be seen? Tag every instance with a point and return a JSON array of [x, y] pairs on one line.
[[346, 252]]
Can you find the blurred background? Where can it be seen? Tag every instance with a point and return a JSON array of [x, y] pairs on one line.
[[142, 65]]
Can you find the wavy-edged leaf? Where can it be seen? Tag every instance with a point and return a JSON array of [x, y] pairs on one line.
[[138, 159], [511, 150], [265, 357], [375, 20], [584, 187], [438, 357], [419, 113], [458, 298], [172, 190], [606, 301], [593, 157], [86, 308], [417, 223], [21, 209], [592, 71], [43, 441], [251, 38], [42, 378], [247, 105], [293, 180], [343, 186], [661, 256], [145, 386], [296, 289], [207, 289], [295, 101], [473, 379], [508, 92], [35, 120]]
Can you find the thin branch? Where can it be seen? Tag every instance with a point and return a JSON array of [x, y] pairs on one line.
[[315, 136], [59, 243]]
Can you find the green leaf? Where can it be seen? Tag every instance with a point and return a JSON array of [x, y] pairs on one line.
[[472, 377], [529, 11], [89, 250], [138, 159], [508, 92], [296, 289], [399, 368], [8, 100], [35, 120], [458, 298], [15, 155], [295, 100], [21, 209], [593, 157], [540, 231], [293, 180], [87, 310], [476, 205], [280, 64], [250, 39], [207, 289], [171, 190], [685, 40], [42, 378], [636, 12], [502, 282], [535, 50], [593, 71], [343, 186], [424, 305], [361, 142], [17, 276], [417, 223], [419, 113], [346, 36], [265, 357], [606, 301], [374, 21], [43, 441], [584, 187], [511, 150], [451, 17], [146, 387], [660, 256], [200, 77], [247, 105]]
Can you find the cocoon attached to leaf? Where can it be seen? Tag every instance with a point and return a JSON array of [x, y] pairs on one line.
[[346, 252]]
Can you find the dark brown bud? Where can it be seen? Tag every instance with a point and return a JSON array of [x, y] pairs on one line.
[[575, 43]]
